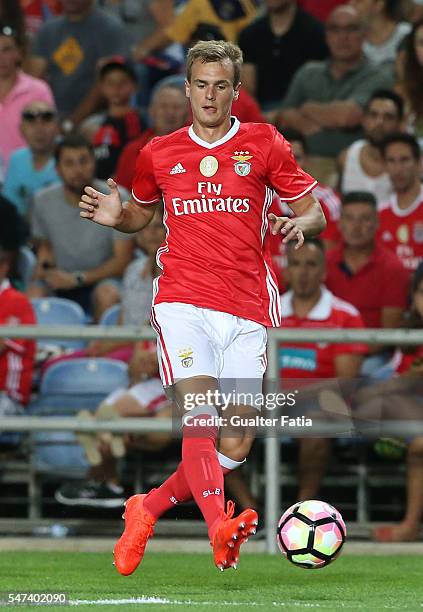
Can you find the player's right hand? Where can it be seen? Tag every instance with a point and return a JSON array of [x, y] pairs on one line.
[[105, 209]]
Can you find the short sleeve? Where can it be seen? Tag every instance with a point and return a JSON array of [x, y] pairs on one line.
[[145, 190], [285, 176]]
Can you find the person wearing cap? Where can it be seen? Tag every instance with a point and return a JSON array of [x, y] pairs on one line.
[[17, 90], [121, 122], [32, 167]]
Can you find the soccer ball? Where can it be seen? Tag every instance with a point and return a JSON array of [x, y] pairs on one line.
[[311, 534]]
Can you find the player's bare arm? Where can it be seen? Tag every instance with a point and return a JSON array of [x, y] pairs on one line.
[[108, 209], [309, 221]]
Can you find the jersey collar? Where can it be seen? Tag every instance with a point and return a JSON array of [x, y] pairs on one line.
[[211, 145], [404, 212], [320, 312]]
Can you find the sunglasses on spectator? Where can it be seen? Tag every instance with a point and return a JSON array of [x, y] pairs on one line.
[[32, 116]]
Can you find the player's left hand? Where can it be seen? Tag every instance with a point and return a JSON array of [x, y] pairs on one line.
[[287, 227]]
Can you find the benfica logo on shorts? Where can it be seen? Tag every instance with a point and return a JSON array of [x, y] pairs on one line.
[[242, 166], [185, 355]]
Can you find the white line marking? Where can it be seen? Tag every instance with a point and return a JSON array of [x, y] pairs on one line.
[[189, 602]]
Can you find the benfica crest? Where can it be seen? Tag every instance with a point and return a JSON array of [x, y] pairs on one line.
[[242, 166]]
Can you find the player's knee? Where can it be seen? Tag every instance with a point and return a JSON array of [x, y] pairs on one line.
[[236, 449]]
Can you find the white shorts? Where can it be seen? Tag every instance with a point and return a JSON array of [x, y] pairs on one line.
[[195, 341], [148, 393]]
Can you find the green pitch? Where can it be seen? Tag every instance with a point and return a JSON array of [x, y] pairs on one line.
[[190, 582]]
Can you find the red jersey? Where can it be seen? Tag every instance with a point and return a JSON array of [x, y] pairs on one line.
[[216, 198], [401, 230], [380, 283], [331, 206], [402, 362], [17, 357], [317, 361]]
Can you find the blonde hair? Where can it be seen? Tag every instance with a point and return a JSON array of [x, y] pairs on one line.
[[215, 51]]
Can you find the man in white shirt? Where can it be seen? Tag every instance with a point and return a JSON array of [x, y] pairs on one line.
[[362, 165]]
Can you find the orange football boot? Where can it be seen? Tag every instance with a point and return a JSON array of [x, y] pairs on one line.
[[230, 534], [139, 523]]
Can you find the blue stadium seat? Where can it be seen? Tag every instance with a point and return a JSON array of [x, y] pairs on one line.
[[111, 315], [66, 388], [59, 311], [84, 375]]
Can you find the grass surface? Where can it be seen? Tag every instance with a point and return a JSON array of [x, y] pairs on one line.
[[191, 582]]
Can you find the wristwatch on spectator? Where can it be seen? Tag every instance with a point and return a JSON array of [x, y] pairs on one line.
[[79, 279]]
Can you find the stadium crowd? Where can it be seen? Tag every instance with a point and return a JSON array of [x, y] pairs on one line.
[[84, 85]]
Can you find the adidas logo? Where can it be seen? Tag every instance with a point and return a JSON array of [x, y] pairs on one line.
[[178, 169]]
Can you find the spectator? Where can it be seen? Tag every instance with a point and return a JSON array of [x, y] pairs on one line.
[[310, 305], [384, 31], [76, 259], [168, 112], [121, 123], [410, 81], [365, 273], [325, 99], [16, 356], [362, 164], [101, 489], [136, 297], [201, 20], [145, 397], [278, 43], [32, 167], [396, 399], [67, 51], [327, 197], [17, 90], [401, 217]]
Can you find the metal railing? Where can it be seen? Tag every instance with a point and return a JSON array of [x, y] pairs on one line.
[[272, 443]]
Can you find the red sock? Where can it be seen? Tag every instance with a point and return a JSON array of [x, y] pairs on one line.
[[174, 490], [202, 469]]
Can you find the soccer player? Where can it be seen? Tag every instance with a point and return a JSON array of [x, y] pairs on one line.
[[217, 292]]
